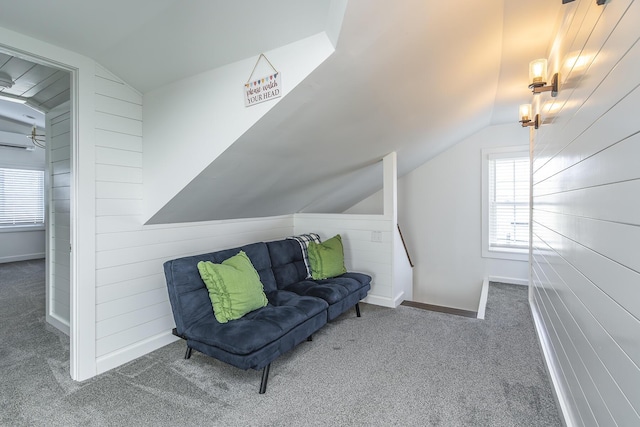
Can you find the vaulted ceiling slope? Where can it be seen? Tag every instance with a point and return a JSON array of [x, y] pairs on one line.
[[412, 76]]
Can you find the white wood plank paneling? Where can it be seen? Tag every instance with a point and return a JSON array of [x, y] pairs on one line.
[[585, 270], [615, 164], [114, 173], [564, 352], [607, 364], [130, 287], [118, 107], [59, 122], [112, 156], [119, 141], [133, 313], [119, 190], [119, 124], [591, 66], [361, 254]]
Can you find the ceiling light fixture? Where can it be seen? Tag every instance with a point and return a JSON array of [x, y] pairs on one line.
[[37, 139], [525, 117], [5, 80], [538, 75]]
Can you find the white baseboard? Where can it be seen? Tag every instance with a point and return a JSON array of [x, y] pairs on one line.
[[58, 323], [127, 354], [381, 301], [23, 257], [552, 367], [484, 294], [398, 300], [509, 280]]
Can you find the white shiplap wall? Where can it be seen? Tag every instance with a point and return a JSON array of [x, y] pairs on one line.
[[360, 252], [585, 292], [133, 315], [59, 127]]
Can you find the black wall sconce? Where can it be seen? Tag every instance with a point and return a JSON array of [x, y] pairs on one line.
[[598, 2]]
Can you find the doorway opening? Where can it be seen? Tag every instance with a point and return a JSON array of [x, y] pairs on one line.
[[36, 133]]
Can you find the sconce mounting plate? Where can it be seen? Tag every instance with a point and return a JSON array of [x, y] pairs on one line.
[[540, 87]]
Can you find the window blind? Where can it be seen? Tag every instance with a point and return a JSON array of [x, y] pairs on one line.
[[509, 203], [21, 197]]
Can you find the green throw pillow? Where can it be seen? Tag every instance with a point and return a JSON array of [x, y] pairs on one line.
[[326, 258], [234, 287]]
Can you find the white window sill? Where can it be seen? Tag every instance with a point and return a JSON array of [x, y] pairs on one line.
[[506, 253], [21, 228]]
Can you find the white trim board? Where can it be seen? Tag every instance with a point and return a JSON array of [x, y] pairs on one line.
[[58, 323], [484, 294], [132, 352], [509, 280], [23, 257], [381, 301]]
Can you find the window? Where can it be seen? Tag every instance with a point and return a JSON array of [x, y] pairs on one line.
[[21, 197], [505, 204]]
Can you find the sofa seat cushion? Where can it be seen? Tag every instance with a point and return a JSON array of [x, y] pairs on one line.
[[331, 290], [258, 328], [364, 279]]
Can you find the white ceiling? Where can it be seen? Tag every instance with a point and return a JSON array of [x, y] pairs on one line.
[[412, 76], [40, 88], [149, 43]]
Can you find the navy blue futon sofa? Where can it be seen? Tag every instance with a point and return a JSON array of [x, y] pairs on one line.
[[297, 306]]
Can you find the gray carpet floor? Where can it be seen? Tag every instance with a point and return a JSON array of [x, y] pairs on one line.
[[404, 367]]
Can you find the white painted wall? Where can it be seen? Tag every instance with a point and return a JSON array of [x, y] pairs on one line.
[[439, 212], [585, 274], [191, 122], [22, 244]]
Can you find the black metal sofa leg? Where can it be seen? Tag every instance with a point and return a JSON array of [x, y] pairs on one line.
[[358, 310], [265, 378], [187, 355]]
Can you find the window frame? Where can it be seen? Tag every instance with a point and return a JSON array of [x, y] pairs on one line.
[[516, 254], [13, 228]]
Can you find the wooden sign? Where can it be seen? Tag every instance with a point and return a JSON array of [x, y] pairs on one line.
[[262, 89]]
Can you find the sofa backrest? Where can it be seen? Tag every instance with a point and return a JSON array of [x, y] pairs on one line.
[[187, 292], [286, 262]]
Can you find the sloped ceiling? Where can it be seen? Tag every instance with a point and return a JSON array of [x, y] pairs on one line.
[[412, 76], [415, 77]]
